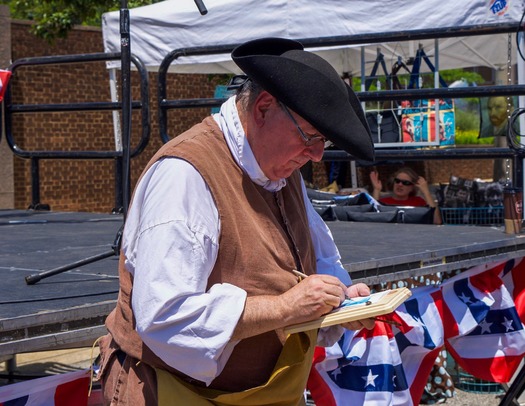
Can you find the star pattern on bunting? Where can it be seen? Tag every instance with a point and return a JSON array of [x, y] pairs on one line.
[[485, 326], [336, 373], [508, 325], [370, 379], [464, 298]]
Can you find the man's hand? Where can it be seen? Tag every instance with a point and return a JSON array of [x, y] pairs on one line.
[[359, 289], [313, 297]]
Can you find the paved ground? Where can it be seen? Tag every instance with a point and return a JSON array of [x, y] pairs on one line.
[[473, 399], [50, 362]]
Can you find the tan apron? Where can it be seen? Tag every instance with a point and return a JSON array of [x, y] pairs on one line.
[[284, 388]]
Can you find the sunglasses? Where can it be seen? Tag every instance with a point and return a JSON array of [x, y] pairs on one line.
[[403, 182], [308, 141], [237, 82]]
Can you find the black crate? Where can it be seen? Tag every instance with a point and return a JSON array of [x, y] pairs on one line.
[[479, 216]]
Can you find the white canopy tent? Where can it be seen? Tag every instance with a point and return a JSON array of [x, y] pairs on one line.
[[158, 29], [400, 27]]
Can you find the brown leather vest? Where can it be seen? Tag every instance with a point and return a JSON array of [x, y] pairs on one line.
[[264, 236]]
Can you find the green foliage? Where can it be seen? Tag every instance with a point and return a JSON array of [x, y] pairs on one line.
[[466, 120], [55, 18], [470, 137], [451, 75]]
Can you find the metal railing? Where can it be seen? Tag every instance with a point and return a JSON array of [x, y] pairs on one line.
[[36, 155], [382, 154]]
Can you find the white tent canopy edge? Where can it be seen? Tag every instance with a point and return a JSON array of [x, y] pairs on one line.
[[158, 29]]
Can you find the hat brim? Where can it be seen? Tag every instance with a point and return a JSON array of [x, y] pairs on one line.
[[310, 86]]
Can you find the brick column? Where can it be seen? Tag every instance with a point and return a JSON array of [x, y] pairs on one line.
[[7, 190]]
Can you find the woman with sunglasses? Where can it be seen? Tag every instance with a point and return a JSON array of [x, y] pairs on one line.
[[406, 183]]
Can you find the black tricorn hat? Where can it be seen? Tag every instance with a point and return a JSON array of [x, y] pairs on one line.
[[311, 87]]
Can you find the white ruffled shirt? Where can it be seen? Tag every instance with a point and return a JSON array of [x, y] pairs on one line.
[[171, 241]]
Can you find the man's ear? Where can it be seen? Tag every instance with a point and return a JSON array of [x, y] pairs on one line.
[[262, 104]]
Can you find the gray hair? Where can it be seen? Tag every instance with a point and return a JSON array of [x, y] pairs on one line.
[[247, 94]]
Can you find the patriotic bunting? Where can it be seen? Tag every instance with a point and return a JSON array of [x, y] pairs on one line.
[[4, 80], [476, 315], [55, 390]]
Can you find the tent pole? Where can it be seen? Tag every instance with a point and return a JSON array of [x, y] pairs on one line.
[[116, 114], [126, 127], [126, 102], [521, 99], [125, 50], [437, 121], [117, 134]]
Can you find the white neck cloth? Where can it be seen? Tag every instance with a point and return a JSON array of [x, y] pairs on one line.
[[230, 124]]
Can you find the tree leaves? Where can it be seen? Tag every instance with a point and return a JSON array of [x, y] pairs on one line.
[[55, 18]]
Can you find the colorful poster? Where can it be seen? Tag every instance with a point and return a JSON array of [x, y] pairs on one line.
[[495, 113], [418, 122]]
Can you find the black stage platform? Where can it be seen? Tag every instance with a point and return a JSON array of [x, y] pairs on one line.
[[68, 309], [382, 252], [64, 310]]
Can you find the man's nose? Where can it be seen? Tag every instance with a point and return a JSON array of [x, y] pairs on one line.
[[315, 152]]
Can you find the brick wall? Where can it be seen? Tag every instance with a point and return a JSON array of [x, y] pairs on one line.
[[441, 170], [79, 184], [89, 185], [435, 171]]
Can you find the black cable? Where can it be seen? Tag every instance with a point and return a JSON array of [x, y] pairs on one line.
[[24, 222], [59, 298], [512, 134]]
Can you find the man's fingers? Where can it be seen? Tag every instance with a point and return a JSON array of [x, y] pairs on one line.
[[368, 323], [359, 289], [359, 324]]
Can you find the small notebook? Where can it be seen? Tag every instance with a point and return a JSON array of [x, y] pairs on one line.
[[376, 304]]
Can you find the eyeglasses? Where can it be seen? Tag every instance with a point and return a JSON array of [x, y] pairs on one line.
[[308, 141], [404, 182]]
